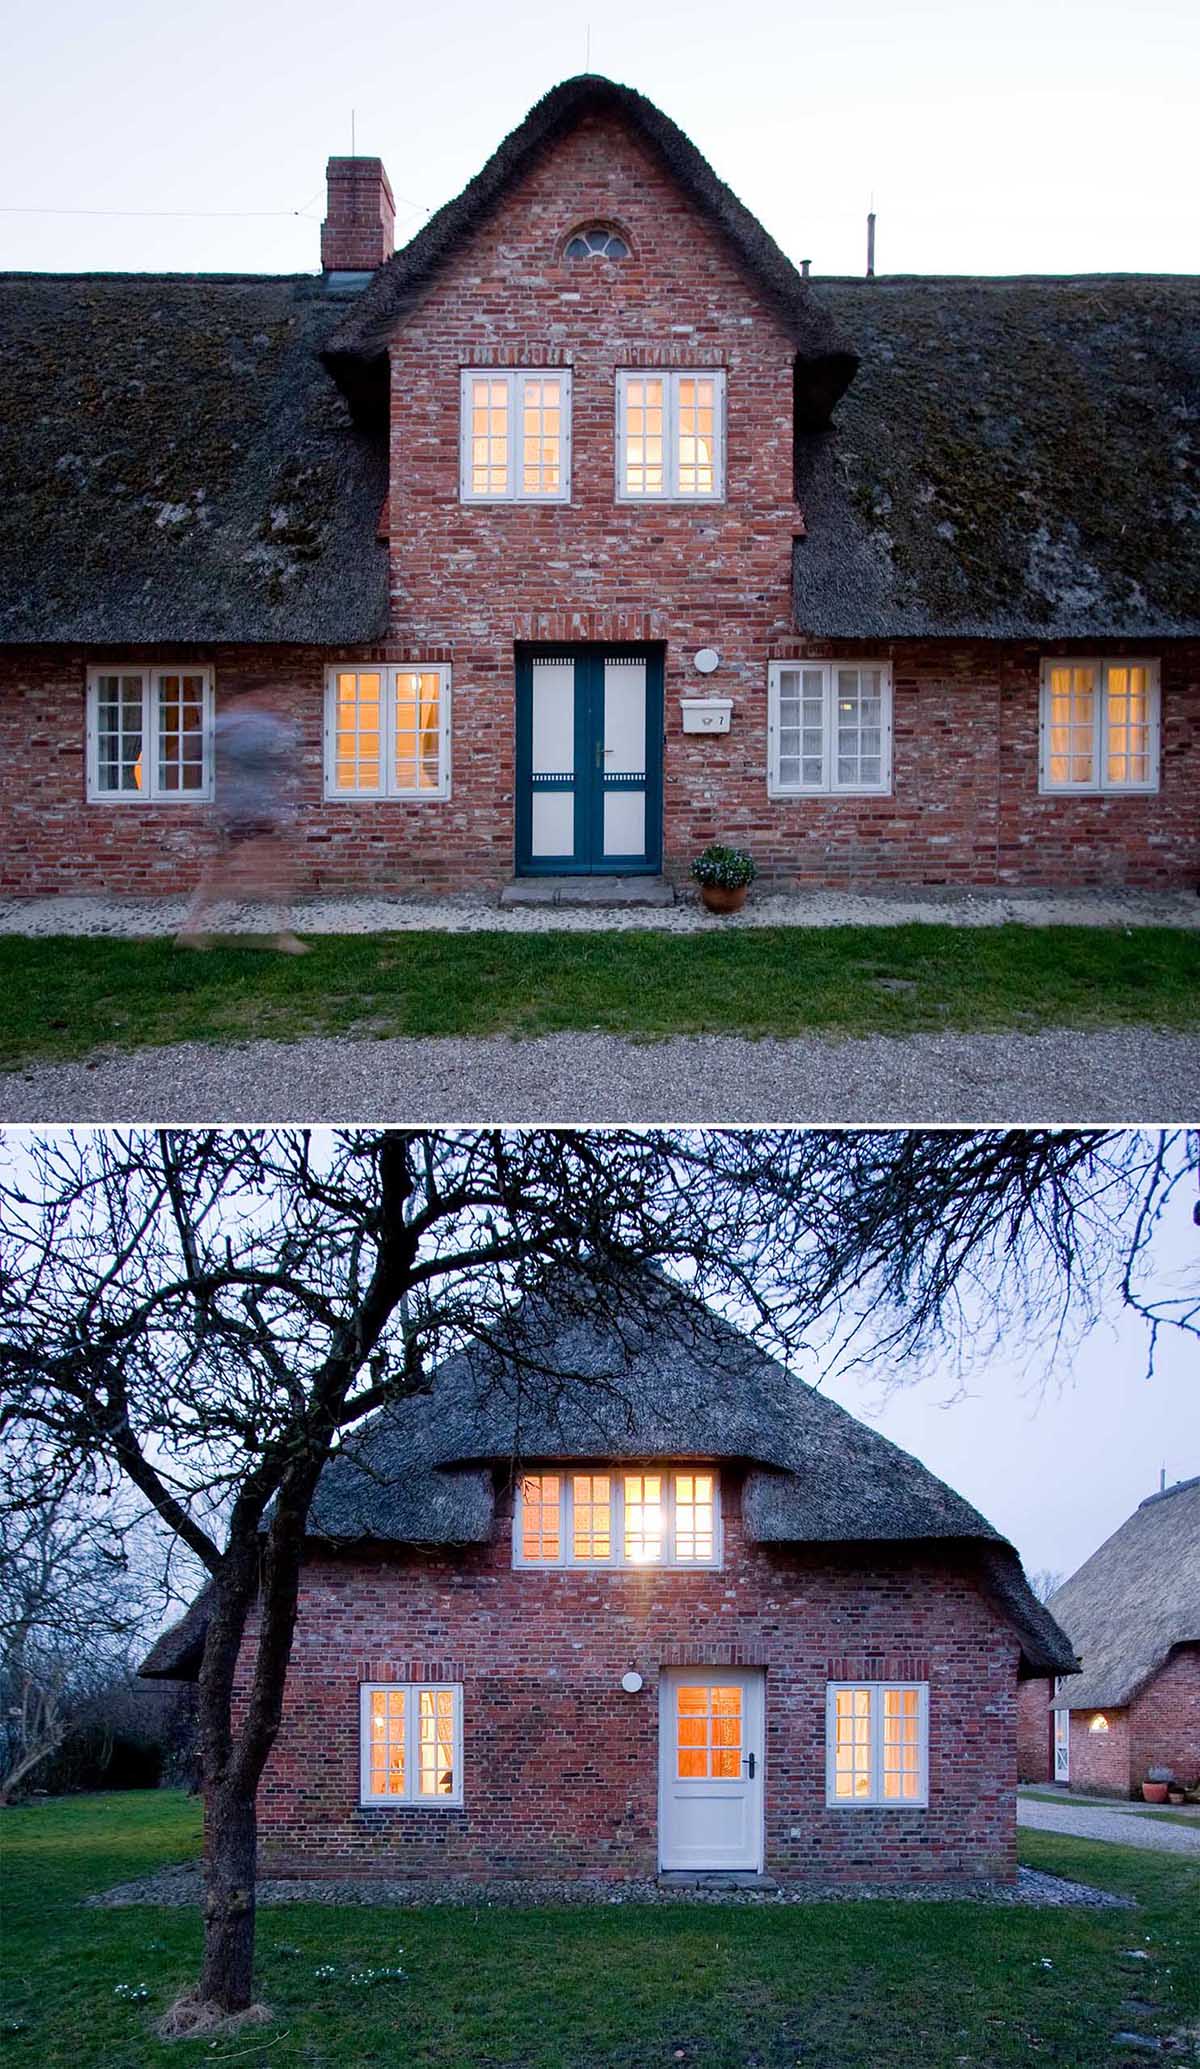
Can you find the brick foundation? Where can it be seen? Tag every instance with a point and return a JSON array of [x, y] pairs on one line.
[[561, 1766]]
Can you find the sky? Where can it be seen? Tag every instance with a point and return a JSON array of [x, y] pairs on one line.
[[991, 136]]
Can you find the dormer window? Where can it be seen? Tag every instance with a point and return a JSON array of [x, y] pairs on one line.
[[596, 241], [631, 1516]]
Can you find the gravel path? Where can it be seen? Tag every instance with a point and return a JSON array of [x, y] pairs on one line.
[[1116, 1074], [181, 1885], [473, 913], [1098, 1821]]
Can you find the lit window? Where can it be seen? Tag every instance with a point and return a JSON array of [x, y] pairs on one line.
[[411, 1744], [387, 732], [149, 733], [708, 1733], [877, 1745], [516, 436], [829, 727], [670, 437], [541, 1533], [597, 242], [1098, 1723], [1099, 725], [635, 1517]]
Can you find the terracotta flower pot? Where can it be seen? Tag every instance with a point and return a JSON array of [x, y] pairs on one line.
[[1154, 1792], [719, 899]]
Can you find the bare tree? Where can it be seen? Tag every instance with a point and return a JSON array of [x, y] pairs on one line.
[[203, 1314], [71, 1615], [1045, 1582]]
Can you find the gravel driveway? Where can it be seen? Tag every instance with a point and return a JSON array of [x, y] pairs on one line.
[[1101, 1821], [1059, 1075]]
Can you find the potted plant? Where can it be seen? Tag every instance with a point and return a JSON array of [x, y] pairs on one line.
[[1154, 1788], [724, 876]]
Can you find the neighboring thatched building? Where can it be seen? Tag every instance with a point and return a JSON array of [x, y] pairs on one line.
[[1132, 1613]]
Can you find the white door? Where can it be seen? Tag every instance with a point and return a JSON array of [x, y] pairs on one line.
[[624, 757], [710, 1801], [1062, 1741]]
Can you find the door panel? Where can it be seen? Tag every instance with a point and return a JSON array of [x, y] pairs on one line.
[[589, 761], [711, 1768], [1062, 1741]]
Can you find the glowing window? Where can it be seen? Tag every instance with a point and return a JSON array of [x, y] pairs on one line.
[[644, 1519], [708, 1733], [541, 1518], [1099, 725], [670, 436], [516, 435], [634, 1517], [877, 1745], [1098, 1723], [387, 732], [411, 1744], [596, 243], [150, 735], [829, 727], [591, 1516]]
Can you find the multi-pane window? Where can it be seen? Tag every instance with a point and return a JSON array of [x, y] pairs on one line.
[[877, 1744], [411, 1744], [516, 435], [708, 1732], [387, 732], [596, 242], [829, 727], [670, 436], [150, 735], [1099, 726], [628, 1516]]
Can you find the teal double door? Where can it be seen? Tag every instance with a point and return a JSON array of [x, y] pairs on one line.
[[589, 761]]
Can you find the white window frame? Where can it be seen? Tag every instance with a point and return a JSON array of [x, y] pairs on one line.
[[151, 675], [671, 376], [1100, 784], [516, 379], [411, 1799], [876, 1800], [388, 788], [616, 1559], [829, 785]]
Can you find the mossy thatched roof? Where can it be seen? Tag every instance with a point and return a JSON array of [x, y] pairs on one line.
[[1016, 458], [178, 465], [1134, 1600]]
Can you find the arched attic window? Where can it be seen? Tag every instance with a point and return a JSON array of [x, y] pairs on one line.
[[596, 241]]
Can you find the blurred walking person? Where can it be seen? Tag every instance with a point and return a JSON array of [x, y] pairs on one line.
[[257, 767]]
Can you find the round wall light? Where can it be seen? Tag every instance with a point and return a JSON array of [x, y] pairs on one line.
[[631, 1683], [707, 661]]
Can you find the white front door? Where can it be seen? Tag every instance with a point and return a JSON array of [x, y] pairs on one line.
[[710, 1796], [1062, 1741]]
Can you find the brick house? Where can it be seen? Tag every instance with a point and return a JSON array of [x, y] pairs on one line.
[[585, 530], [1133, 1615], [678, 1613]]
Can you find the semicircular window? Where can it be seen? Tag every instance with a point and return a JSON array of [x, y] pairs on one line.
[[596, 242]]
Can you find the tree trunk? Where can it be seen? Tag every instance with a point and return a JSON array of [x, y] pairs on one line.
[[231, 1835]]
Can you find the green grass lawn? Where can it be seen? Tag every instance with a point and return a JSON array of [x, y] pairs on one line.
[[832, 1986], [62, 997]]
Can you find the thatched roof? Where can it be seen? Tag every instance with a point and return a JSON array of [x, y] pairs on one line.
[[826, 365], [1134, 1600], [666, 1379], [176, 1655], [178, 465], [1016, 458]]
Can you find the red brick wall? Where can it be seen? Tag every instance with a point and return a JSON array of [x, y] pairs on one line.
[[561, 1766], [1100, 1759], [1035, 1732], [1165, 1719]]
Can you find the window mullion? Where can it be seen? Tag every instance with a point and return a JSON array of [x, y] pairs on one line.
[[151, 693], [1100, 728], [828, 701], [411, 1747], [877, 1707], [566, 1518], [516, 432], [387, 732], [671, 427], [618, 1498]]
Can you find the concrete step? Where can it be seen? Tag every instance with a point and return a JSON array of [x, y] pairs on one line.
[[597, 893], [714, 1878]]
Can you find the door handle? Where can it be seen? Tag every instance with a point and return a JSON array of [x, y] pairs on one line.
[[750, 1765]]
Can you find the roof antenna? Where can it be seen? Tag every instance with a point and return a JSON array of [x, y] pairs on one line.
[[1162, 1481], [871, 245]]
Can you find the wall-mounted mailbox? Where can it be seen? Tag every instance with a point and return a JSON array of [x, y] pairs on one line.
[[706, 714]]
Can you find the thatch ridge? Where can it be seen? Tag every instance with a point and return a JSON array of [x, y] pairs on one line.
[[365, 333], [1134, 1600]]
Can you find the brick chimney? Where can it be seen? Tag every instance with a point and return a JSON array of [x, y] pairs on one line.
[[358, 233]]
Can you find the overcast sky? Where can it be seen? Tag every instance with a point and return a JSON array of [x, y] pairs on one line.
[[995, 136]]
